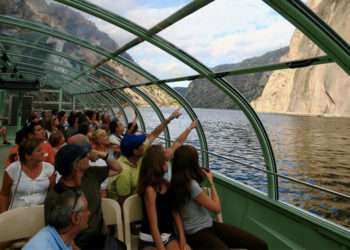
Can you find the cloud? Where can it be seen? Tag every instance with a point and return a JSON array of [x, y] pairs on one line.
[[224, 31]]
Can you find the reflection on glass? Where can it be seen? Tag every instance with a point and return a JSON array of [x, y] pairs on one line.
[[157, 62], [126, 74], [242, 30], [145, 13]]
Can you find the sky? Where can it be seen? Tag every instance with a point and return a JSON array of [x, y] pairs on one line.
[[225, 31]]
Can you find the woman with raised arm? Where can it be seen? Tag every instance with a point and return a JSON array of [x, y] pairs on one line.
[[157, 231], [195, 205]]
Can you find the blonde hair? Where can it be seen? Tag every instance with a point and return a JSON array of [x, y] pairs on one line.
[[97, 134]]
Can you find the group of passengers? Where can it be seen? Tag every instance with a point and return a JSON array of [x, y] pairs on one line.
[[68, 163]]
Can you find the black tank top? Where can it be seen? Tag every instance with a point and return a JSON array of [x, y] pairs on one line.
[[164, 214]]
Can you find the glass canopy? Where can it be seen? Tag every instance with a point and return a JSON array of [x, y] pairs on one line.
[[136, 54]]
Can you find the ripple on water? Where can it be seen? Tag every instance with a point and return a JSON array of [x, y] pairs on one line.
[[312, 149]]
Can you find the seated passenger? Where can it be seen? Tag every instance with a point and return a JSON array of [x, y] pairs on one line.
[[73, 124], [27, 181], [66, 214], [101, 144], [116, 129], [57, 140], [72, 162], [132, 148], [195, 206], [157, 230], [36, 131], [3, 134]]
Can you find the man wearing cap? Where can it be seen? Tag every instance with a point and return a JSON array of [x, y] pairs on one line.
[[72, 163], [133, 147]]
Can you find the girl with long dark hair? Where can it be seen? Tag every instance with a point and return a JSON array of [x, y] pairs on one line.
[[194, 205], [157, 231]]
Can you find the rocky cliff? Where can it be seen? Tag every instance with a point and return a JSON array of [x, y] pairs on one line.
[[202, 93], [67, 20], [314, 90]]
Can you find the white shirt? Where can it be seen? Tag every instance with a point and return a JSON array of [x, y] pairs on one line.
[[115, 140], [25, 191]]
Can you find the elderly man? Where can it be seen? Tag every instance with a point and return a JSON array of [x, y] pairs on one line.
[[66, 215], [72, 163]]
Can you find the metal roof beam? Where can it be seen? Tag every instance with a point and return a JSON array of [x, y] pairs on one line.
[[316, 29], [54, 33], [104, 72], [278, 66], [175, 17]]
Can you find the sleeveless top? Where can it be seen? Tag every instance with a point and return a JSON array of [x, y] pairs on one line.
[[164, 215], [25, 191]]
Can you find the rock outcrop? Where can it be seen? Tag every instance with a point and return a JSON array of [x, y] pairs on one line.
[[202, 93], [67, 20], [317, 90]]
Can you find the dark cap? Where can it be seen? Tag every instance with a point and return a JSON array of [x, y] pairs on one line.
[[131, 142], [67, 155]]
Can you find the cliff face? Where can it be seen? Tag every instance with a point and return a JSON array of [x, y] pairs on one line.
[[70, 21], [314, 90], [202, 93]]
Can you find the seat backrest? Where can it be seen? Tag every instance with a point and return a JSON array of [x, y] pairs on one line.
[[218, 216], [132, 211], [21, 223], [112, 215]]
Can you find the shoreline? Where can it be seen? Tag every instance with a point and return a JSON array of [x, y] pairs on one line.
[[319, 115]]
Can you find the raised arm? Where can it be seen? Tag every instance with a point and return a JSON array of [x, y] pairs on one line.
[[114, 166], [211, 203], [133, 125], [169, 152], [156, 132]]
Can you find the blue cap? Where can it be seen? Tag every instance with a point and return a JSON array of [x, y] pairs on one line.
[[131, 142], [67, 155]]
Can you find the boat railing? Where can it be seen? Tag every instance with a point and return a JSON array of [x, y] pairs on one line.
[[314, 186]]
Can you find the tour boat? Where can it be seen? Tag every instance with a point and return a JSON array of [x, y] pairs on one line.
[[97, 85]]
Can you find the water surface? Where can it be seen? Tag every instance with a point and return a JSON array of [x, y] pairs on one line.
[[311, 149]]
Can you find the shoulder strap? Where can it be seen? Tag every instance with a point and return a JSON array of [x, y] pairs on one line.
[[18, 180]]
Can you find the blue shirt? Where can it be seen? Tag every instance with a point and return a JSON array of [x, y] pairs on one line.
[[47, 239]]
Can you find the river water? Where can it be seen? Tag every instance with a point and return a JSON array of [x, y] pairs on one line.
[[311, 149]]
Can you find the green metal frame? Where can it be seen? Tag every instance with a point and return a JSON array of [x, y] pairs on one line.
[[293, 10], [102, 71], [316, 29], [177, 16], [201, 69], [278, 66], [45, 30]]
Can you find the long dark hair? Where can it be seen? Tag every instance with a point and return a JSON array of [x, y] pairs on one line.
[[27, 147], [185, 168], [152, 172]]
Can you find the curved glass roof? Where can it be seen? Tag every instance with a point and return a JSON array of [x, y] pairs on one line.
[[96, 70]]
